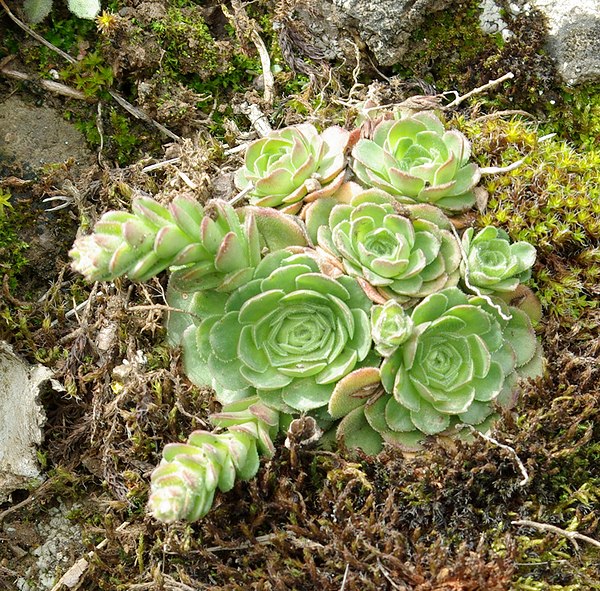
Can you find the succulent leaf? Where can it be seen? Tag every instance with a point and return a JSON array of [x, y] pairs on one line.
[[290, 333], [492, 263], [405, 256], [218, 252], [459, 357]]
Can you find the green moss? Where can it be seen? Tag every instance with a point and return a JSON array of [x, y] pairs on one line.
[[90, 75], [12, 249], [451, 52], [577, 116], [551, 201], [187, 43], [448, 42], [123, 139]]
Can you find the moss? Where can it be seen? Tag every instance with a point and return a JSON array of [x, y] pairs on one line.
[[451, 52], [90, 75], [13, 258], [551, 201], [577, 116], [187, 43]]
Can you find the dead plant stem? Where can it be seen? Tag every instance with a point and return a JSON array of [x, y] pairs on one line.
[[491, 84], [49, 85], [161, 307], [571, 535], [265, 60], [345, 576], [501, 169], [503, 446]]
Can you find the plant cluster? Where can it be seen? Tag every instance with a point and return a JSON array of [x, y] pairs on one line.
[[342, 291]]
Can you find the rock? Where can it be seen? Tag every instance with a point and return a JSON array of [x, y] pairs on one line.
[[32, 137], [573, 33], [326, 30], [335, 28], [21, 420], [574, 38], [385, 26], [491, 20], [60, 541]]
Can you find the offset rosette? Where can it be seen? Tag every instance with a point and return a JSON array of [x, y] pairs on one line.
[[390, 326], [289, 334], [292, 165], [417, 160], [405, 257], [461, 358], [184, 484], [492, 263]]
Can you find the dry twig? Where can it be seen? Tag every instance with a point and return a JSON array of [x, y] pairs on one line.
[[571, 535], [491, 84], [507, 448], [265, 60], [501, 169], [49, 85], [345, 576]]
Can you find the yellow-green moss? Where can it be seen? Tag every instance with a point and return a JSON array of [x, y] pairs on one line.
[[552, 201]]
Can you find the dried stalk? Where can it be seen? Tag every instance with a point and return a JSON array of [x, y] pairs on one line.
[[503, 446], [265, 60], [491, 84], [571, 535], [49, 85]]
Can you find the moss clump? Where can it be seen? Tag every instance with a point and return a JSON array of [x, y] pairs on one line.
[[551, 201], [188, 45], [12, 249], [90, 75], [451, 51], [577, 116]]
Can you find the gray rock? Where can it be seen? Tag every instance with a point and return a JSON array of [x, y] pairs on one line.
[[576, 48], [573, 33], [61, 542], [335, 28], [21, 419], [385, 26], [34, 136]]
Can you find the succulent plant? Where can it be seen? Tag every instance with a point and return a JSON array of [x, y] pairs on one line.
[[404, 256], [210, 249], [492, 263], [292, 165], [417, 160], [350, 311], [289, 334], [462, 357], [184, 484]]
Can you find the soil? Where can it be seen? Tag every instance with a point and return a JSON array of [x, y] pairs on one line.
[[445, 519]]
